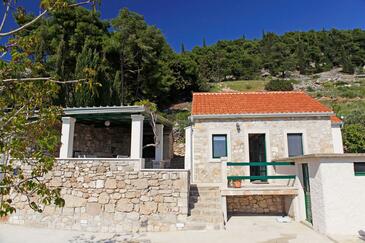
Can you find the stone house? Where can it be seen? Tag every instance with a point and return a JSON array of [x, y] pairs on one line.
[[277, 153], [260, 151]]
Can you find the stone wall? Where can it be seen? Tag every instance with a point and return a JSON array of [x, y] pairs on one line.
[[111, 196], [317, 136], [96, 140], [255, 204]]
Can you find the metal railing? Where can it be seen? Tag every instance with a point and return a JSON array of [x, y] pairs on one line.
[[227, 178], [260, 177]]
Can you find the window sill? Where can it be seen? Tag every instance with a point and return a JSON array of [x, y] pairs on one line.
[[359, 173], [215, 161]]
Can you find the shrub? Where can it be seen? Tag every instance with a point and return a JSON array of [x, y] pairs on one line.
[[248, 86], [279, 85], [354, 138]]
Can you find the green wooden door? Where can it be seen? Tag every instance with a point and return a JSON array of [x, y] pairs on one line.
[[257, 149], [307, 193]]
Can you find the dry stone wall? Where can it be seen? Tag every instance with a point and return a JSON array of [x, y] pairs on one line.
[[111, 196], [255, 204], [100, 141]]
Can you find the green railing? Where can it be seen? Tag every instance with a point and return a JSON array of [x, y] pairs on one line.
[[261, 177]]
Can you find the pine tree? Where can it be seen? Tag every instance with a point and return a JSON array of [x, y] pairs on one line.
[[182, 48], [347, 66]]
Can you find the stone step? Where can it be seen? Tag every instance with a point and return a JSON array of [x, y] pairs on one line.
[[205, 211], [205, 194], [202, 226], [194, 199], [207, 204], [206, 219]]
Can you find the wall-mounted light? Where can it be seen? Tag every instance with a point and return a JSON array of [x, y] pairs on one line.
[[238, 127], [107, 123]]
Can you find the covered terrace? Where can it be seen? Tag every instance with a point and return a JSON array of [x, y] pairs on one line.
[[115, 132]]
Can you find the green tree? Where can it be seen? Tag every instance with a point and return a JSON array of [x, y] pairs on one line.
[[28, 118], [279, 85], [140, 53], [354, 138], [182, 48]]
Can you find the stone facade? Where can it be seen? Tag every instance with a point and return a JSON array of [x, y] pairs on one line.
[[317, 138], [98, 141], [102, 142], [111, 196], [256, 204]]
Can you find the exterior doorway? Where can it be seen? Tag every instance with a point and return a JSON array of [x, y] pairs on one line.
[[307, 194], [257, 150]]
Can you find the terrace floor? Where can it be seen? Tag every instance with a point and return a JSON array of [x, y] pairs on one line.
[[263, 229]]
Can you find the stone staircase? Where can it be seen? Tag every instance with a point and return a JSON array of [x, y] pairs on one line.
[[205, 210]]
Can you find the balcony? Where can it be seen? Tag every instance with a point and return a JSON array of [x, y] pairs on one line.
[[276, 178]]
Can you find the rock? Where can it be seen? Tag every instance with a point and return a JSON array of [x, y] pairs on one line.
[[111, 183], [93, 209], [74, 202], [140, 183], [123, 205], [116, 195], [110, 208], [99, 184], [148, 208], [103, 198]]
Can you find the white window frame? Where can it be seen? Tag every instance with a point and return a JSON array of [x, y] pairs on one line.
[[219, 132]]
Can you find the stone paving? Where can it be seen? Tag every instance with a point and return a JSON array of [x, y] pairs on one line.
[[262, 229]]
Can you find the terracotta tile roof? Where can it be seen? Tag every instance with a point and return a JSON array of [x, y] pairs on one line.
[[335, 119], [255, 103]]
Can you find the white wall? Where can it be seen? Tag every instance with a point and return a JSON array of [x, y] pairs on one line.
[[337, 139], [188, 146], [337, 195], [344, 198]]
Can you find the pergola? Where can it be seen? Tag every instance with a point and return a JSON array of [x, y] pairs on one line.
[[136, 116]]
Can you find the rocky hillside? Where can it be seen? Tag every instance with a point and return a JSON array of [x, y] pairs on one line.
[[344, 93]]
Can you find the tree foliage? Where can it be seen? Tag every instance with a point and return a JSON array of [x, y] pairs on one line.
[[279, 85], [354, 138], [29, 116]]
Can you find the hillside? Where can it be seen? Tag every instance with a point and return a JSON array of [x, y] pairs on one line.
[[344, 93]]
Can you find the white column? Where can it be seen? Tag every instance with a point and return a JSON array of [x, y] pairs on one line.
[[137, 136], [188, 150], [337, 139], [159, 146], [67, 137]]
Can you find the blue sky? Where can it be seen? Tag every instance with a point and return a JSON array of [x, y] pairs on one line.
[[189, 21]]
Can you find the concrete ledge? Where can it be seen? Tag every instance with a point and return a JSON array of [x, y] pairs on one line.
[[248, 191]]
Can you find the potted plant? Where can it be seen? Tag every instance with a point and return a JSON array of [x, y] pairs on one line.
[[237, 183]]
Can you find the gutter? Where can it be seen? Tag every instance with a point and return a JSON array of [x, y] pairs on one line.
[[260, 115]]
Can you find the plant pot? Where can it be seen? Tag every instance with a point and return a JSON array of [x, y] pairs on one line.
[[237, 184]]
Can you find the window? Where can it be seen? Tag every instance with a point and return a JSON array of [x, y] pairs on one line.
[[359, 168], [219, 146], [295, 144]]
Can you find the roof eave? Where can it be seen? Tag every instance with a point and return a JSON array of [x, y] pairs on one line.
[[260, 115], [100, 110]]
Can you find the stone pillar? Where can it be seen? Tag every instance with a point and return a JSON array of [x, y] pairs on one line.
[[137, 136], [188, 148], [67, 137], [159, 146]]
